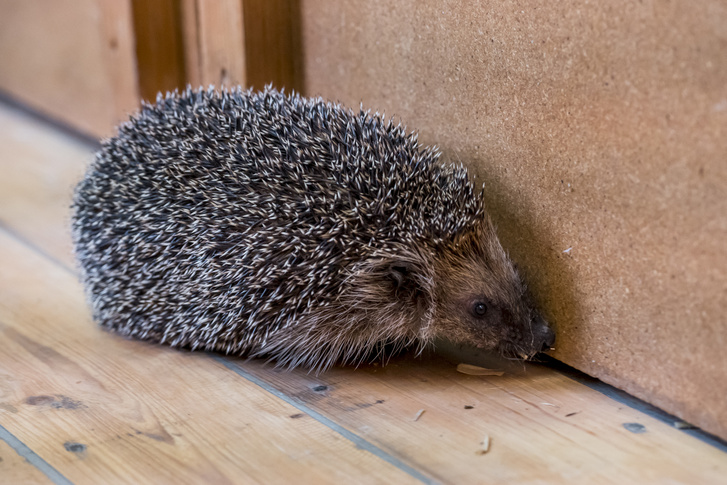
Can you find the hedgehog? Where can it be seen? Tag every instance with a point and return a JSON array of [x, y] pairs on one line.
[[266, 224]]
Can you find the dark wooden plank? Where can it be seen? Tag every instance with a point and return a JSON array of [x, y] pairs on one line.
[[159, 46], [273, 47]]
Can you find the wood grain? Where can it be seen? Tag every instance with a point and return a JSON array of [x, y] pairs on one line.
[[214, 42], [273, 47], [543, 426], [38, 170], [88, 63], [247, 42], [119, 58], [98, 407], [71, 59], [16, 469], [158, 31]]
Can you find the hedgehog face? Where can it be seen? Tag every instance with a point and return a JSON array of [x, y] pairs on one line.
[[482, 301], [513, 329], [475, 308]]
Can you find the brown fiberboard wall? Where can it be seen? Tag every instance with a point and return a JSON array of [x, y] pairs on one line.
[[600, 130]]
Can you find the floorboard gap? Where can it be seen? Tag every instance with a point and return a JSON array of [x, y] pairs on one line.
[[353, 437], [33, 247], [631, 401], [33, 458]]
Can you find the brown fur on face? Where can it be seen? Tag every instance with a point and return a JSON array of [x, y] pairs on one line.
[[482, 301], [416, 294]]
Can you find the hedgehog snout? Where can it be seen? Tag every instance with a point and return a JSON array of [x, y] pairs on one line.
[[544, 336]]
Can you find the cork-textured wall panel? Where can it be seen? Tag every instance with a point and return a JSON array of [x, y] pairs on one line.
[[600, 131]]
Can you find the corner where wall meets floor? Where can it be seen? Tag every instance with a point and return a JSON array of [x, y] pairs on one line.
[[600, 132]]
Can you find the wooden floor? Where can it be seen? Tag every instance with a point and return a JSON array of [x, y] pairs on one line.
[[80, 405]]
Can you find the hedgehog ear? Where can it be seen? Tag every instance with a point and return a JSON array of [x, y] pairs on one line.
[[401, 274], [404, 278]]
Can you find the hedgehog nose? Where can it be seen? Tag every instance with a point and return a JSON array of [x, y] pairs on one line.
[[548, 340], [544, 333]]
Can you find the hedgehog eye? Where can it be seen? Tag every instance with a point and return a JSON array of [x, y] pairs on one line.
[[479, 309]]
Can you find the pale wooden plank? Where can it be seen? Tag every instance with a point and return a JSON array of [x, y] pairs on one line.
[[118, 41], [72, 59], [214, 42], [534, 437], [190, 39], [99, 408], [38, 170], [247, 42], [16, 469]]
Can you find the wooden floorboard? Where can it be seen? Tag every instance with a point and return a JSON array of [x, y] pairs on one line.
[[541, 424], [15, 468], [38, 168], [98, 408]]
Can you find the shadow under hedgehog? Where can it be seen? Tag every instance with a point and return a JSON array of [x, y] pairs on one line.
[[265, 224]]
